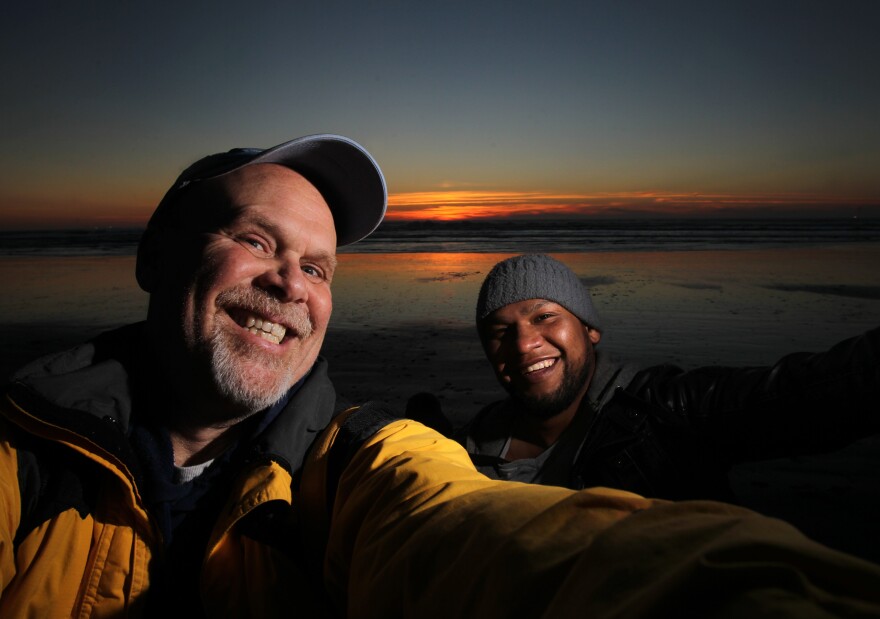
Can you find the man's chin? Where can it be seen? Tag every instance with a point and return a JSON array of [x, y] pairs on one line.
[[245, 397], [548, 402], [250, 383]]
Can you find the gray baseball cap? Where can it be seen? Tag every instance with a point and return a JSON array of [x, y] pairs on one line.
[[343, 171]]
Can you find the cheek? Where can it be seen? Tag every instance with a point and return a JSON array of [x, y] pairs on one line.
[[227, 268], [581, 347], [219, 271], [495, 354], [320, 306], [206, 284], [213, 277]]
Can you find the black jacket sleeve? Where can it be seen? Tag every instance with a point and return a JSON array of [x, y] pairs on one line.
[[805, 403]]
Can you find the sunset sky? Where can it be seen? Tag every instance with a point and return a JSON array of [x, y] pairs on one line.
[[473, 109]]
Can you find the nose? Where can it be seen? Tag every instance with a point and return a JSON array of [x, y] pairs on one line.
[[528, 337], [285, 281]]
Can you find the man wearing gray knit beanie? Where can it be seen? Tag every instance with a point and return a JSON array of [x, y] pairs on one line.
[[539, 293], [539, 330], [577, 417]]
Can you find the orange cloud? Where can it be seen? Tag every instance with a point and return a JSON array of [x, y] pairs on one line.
[[458, 205]]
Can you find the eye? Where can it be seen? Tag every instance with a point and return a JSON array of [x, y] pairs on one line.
[[256, 245], [543, 317], [313, 272], [497, 333]]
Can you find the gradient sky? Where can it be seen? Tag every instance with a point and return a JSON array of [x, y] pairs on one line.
[[471, 108]]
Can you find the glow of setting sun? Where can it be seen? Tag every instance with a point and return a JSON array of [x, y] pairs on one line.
[[462, 205]]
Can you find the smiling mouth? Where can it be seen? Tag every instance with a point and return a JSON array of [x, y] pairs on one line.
[[540, 365], [269, 331]]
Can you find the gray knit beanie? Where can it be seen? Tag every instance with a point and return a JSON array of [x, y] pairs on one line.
[[535, 276]]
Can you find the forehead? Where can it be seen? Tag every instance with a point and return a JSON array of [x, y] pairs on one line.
[[267, 179], [272, 185], [271, 191]]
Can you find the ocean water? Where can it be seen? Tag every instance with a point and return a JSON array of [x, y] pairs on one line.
[[81, 242], [601, 235], [511, 236], [693, 292]]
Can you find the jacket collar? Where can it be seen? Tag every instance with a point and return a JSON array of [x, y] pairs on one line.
[[94, 381]]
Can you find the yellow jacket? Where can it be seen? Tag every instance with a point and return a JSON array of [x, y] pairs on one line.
[[412, 531], [383, 518]]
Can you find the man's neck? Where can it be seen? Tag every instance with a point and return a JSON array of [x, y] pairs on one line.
[[195, 440], [531, 435], [196, 445], [200, 423]]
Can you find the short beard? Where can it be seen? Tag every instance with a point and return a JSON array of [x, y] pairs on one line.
[[548, 406], [228, 354], [234, 387]]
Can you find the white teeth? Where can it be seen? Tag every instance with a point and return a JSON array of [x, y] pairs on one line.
[[266, 336], [270, 331], [540, 365]]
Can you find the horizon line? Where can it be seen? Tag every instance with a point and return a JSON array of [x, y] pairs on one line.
[[727, 215]]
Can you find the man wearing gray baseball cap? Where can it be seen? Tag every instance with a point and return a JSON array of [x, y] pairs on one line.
[[137, 450], [577, 417]]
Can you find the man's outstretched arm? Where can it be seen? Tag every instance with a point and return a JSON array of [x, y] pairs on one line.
[[806, 402], [414, 530]]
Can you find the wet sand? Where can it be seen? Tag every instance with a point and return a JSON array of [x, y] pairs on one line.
[[403, 323]]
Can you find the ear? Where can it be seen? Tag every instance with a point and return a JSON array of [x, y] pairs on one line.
[[148, 257], [593, 334]]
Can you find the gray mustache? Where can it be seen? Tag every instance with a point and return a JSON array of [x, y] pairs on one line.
[[294, 315]]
